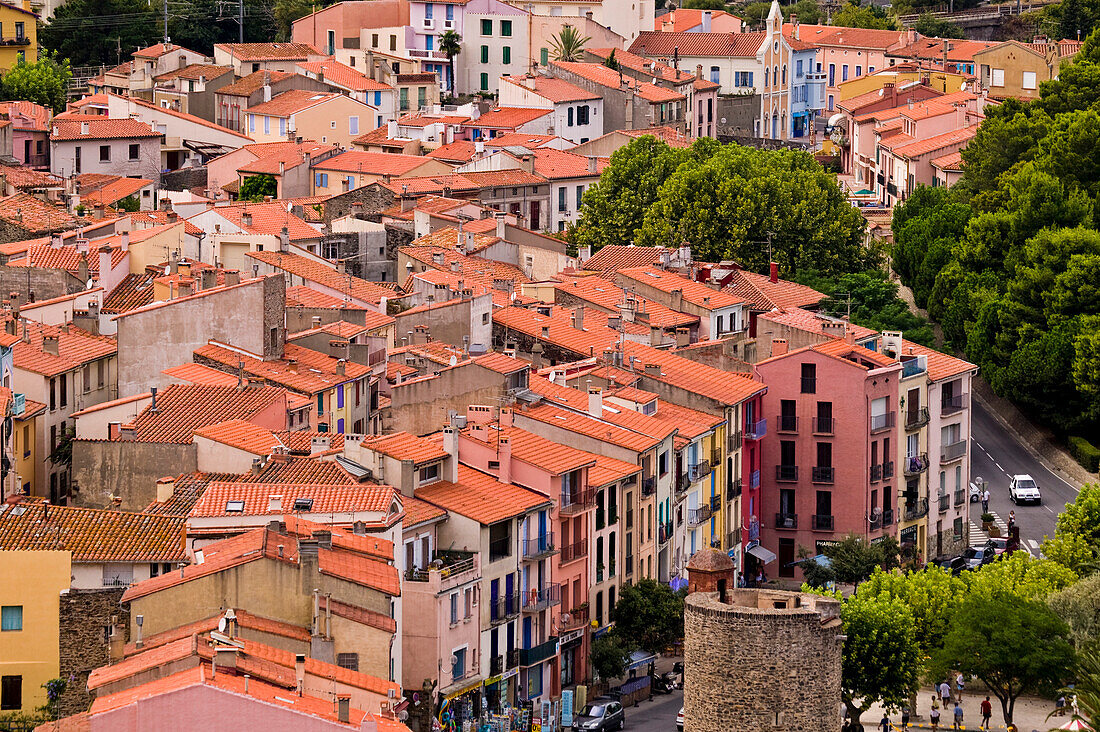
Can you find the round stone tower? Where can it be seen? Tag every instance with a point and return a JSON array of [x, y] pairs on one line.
[[761, 660]]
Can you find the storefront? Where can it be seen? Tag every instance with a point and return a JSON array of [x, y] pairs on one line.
[[572, 657], [461, 707], [499, 691]]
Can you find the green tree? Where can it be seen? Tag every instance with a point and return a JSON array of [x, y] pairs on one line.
[[1087, 688], [853, 15], [256, 187], [930, 594], [754, 14], [569, 44], [816, 575], [88, 32], [854, 559], [930, 25], [649, 615], [62, 454], [286, 12], [705, 4], [1011, 644], [450, 45], [130, 203], [808, 11], [1020, 575], [611, 62], [1079, 606], [879, 663], [610, 655], [44, 82], [1076, 541], [871, 300]]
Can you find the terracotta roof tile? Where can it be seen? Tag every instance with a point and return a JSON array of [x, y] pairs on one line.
[[372, 163], [301, 369], [865, 358], [418, 512], [520, 139], [334, 72], [269, 51], [100, 129], [307, 297], [558, 164], [609, 296], [557, 328], [25, 178], [75, 348], [404, 446], [268, 218], [507, 118], [115, 191], [195, 72], [246, 85], [696, 293], [366, 545], [34, 215], [552, 457], [311, 271], [684, 19], [941, 366], [459, 151], [291, 102], [481, 497], [362, 615], [613, 257], [245, 619], [606, 77], [184, 408], [242, 435], [198, 374], [157, 50], [938, 142], [91, 534], [551, 89], [310, 442], [715, 45], [501, 364], [588, 426], [27, 115], [949, 162], [759, 291], [374, 574], [641, 64], [812, 322], [722, 386]]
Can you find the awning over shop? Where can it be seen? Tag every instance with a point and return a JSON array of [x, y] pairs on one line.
[[761, 553], [640, 658]]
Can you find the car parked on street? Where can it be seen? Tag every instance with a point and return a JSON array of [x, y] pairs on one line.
[[1024, 489], [954, 565], [975, 557], [601, 716], [680, 720]]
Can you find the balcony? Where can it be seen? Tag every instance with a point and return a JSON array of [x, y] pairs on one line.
[[538, 654], [888, 469], [953, 452], [916, 509], [734, 441], [504, 607], [786, 423], [683, 482], [952, 404], [916, 464], [420, 53], [756, 430], [539, 599], [882, 422], [577, 502], [500, 548], [960, 497], [786, 473], [916, 418], [786, 520], [699, 470], [447, 569], [754, 480], [876, 473], [823, 425], [887, 517], [572, 552], [649, 486], [822, 474], [539, 546], [945, 502], [733, 490], [875, 520], [912, 367], [577, 618], [496, 665], [716, 457], [822, 522], [664, 533], [699, 515], [16, 41]]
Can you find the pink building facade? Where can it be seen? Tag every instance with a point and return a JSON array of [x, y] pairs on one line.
[[828, 465]]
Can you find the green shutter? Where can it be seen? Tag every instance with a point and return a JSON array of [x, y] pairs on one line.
[[544, 56], [506, 28], [486, 27], [507, 54], [484, 54], [484, 82]]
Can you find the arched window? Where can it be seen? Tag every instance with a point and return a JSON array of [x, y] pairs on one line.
[[767, 78], [784, 74]]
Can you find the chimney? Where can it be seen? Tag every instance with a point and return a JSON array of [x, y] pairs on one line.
[[284, 240], [324, 538], [49, 344], [527, 163], [699, 71], [773, 272], [578, 317], [84, 128], [504, 457], [677, 299], [315, 321], [246, 220], [232, 277], [209, 279], [165, 488], [343, 709], [300, 671], [124, 241], [341, 367], [794, 22], [653, 369], [706, 21], [779, 346], [391, 129], [274, 503], [501, 224], [153, 404], [257, 466], [450, 446], [267, 91], [595, 402]]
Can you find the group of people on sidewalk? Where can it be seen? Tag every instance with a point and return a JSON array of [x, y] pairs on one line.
[[943, 698]]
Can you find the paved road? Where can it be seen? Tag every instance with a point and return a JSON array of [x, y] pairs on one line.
[[658, 715], [996, 455]]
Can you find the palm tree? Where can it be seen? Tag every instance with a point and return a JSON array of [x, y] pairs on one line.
[[569, 44], [450, 44]]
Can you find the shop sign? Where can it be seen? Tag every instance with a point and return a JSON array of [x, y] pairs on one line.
[[573, 635], [467, 690]]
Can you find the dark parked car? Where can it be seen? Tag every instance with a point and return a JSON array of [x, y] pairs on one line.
[[601, 716], [954, 565], [975, 558]]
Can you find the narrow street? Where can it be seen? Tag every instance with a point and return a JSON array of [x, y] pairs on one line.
[[658, 715]]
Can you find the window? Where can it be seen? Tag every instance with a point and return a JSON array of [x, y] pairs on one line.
[[454, 608], [486, 27], [267, 125], [506, 28], [714, 74], [429, 10], [998, 77], [320, 180], [282, 127], [798, 68], [662, 463], [428, 474], [104, 153], [859, 71], [19, 30], [450, 12], [561, 199], [422, 96], [64, 383], [580, 195], [1029, 80], [740, 78], [582, 114], [353, 125], [500, 540], [484, 54], [844, 72], [404, 99], [350, 661], [484, 82], [374, 40], [832, 74], [809, 378], [11, 617], [320, 404], [11, 692], [767, 78], [135, 151], [507, 55], [458, 671], [784, 74], [393, 47]]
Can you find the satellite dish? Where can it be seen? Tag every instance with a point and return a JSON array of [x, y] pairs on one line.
[[90, 284], [454, 359], [221, 625]]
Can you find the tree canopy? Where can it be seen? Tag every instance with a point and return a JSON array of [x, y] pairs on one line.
[[649, 615], [930, 25], [855, 15], [256, 187], [870, 299], [724, 200], [1076, 540], [44, 82], [879, 663], [610, 655]]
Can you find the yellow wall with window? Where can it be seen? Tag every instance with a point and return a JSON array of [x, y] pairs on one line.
[[30, 625], [18, 34]]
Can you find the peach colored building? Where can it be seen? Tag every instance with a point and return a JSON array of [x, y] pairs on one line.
[[320, 116]]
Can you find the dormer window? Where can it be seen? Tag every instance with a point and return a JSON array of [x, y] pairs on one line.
[[303, 504], [428, 474]]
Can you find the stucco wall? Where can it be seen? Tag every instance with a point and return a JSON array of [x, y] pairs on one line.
[[125, 468]]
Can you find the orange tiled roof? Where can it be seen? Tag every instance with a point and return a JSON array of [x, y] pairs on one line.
[[37, 115], [405, 446], [115, 191], [558, 164], [552, 457], [326, 498], [684, 19], [246, 85], [609, 296], [418, 512], [557, 328], [549, 88], [865, 358], [75, 348], [195, 72], [323, 275], [711, 45], [184, 408], [500, 363], [507, 118], [758, 290], [941, 366], [334, 72], [631, 61], [584, 424], [268, 218], [696, 293], [198, 374], [242, 435], [302, 441], [307, 297], [291, 102], [520, 139], [949, 162], [722, 386], [92, 534], [372, 163], [613, 257], [459, 151], [244, 619], [157, 50], [22, 177], [301, 369], [938, 142], [606, 77], [269, 51], [100, 128], [481, 497], [812, 322], [33, 215]]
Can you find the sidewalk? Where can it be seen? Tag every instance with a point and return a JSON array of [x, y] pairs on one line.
[[1029, 714]]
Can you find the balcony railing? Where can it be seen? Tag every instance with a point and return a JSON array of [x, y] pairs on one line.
[[448, 564], [716, 457], [756, 430], [822, 475], [542, 598], [960, 497], [699, 470], [500, 548], [754, 480], [496, 665], [786, 520], [875, 520], [952, 404], [876, 473], [786, 473], [822, 522], [504, 607], [916, 419], [823, 425], [916, 464], [576, 550], [916, 509], [539, 546], [733, 490], [649, 486], [716, 502], [538, 654], [887, 517], [786, 423], [735, 441], [888, 469], [881, 422], [945, 502], [577, 501], [117, 581], [699, 515], [577, 618], [954, 451], [683, 482], [912, 367], [664, 533]]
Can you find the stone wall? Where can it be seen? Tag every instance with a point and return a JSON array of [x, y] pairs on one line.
[[126, 468], [85, 616], [46, 284], [737, 114], [374, 198], [750, 666], [184, 179]]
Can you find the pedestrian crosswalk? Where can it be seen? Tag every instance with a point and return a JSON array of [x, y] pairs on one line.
[[979, 536]]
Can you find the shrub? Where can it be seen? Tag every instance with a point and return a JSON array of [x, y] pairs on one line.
[[1085, 453]]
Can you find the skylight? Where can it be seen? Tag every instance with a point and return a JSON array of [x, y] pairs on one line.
[[234, 506], [303, 504]]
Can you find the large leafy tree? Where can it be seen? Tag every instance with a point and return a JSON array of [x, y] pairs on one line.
[[91, 32], [1079, 606], [43, 82], [870, 299], [649, 615], [1011, 644], [610, 655], [1076, 540], [1019, 575], [854, 15], [256, 187], [854, 559], [931, 25], [880, 653]]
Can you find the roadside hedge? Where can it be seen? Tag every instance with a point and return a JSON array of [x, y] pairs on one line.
[[1085, 453]]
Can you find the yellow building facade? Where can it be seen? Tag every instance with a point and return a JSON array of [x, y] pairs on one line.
[[30, 624], [18, 34]]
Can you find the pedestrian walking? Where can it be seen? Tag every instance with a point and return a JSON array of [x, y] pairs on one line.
[[884, 725], [945, 693], [959, 684], [985, 501], [958, 716], [1011, 519], [934, 718], [987, 712], [905, 717]]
